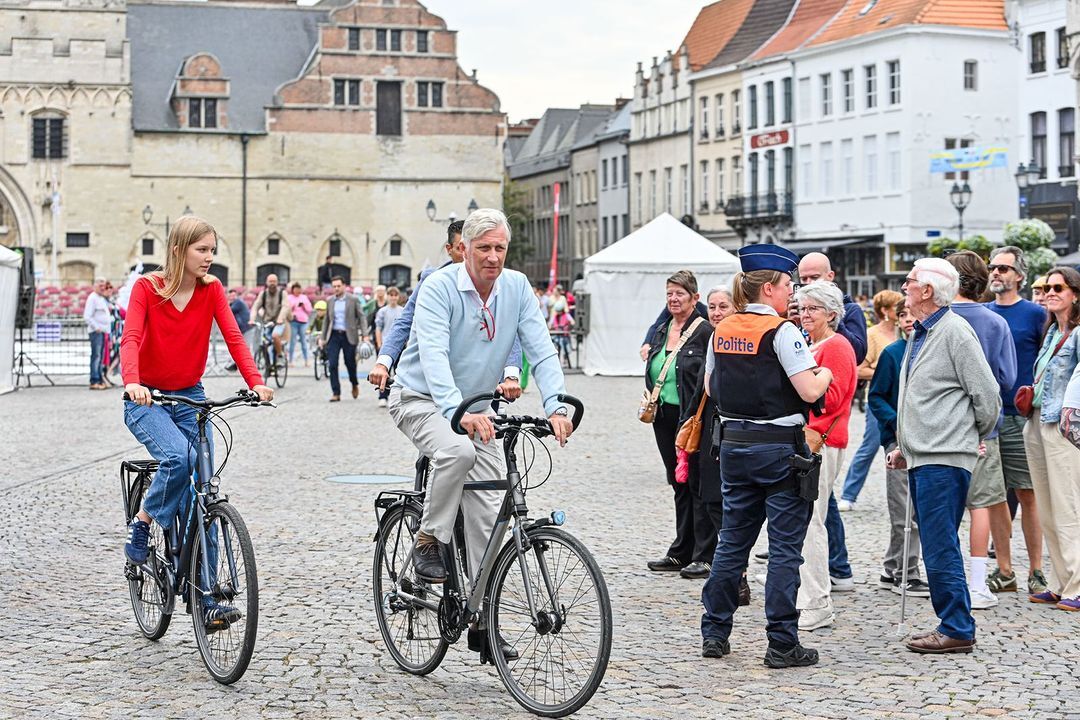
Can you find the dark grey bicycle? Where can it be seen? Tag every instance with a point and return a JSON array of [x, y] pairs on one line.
[[206, 558], [541, 593]]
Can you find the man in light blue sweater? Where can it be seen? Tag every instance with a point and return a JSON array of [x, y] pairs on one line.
[[467, 318]]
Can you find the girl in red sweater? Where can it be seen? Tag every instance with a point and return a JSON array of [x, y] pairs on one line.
[[821, 307], [164, 347]]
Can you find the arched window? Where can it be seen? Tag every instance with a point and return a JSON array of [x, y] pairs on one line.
[[398, 275], [282, 271], [221, 273]]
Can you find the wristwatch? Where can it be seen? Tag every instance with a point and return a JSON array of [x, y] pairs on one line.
[[562, 411], [511, 377]]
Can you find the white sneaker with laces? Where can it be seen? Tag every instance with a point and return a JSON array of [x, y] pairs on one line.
[[842, 584], [815, 619], [382, 402], [983, 599], [845, 505]]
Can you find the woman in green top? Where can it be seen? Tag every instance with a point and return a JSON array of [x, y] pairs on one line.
[[695, 536]]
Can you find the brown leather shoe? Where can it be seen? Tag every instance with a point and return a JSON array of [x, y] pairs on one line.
[[355, 391], [335, 398], [936, 643]]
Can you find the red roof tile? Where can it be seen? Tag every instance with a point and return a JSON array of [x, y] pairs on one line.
[[810, 16], [885, 14], [713, 28]]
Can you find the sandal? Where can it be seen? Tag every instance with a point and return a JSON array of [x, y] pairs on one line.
[[1000, 582]]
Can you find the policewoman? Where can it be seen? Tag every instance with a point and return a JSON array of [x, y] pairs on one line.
[[763, 379]]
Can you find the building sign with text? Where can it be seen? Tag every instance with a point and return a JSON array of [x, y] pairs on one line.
[[765, 140]]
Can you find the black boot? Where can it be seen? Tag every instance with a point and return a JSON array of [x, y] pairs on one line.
[[478, 642]]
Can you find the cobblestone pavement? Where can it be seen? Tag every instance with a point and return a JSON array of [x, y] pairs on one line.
[[70, 646]]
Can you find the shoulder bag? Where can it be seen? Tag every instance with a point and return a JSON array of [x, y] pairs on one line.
[[1025, 394], [689, 437], [816, 440], [647, 408]]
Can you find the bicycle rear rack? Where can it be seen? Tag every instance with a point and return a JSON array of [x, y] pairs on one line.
[[135, 477]]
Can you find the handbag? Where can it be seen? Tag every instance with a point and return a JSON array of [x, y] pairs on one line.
[[816, 440], [649, 399], [1025, 394], [689, 437]]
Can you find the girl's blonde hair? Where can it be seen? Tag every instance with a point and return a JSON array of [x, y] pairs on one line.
[[182, 234], [746, 287]]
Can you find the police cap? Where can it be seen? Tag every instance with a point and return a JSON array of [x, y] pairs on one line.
[[768, 257]]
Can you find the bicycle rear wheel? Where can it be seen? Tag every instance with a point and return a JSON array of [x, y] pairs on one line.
[[151, 597], [563, 655], [262, 363], [226, 636], [410, 630]]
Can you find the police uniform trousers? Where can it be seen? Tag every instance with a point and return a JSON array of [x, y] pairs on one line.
[[695, 535], [750, 475]]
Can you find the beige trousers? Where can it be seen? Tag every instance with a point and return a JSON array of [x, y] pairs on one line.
[[815, 588], [1055, 478], [455, 460]]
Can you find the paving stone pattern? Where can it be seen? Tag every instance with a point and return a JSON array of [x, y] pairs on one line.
[[70, 646]]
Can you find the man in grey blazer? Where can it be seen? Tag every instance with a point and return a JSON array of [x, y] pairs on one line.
[[346, 325]]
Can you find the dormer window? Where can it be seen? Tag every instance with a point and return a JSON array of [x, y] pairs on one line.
[[200, 94]]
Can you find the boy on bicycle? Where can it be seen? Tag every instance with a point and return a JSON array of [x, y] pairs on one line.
[[466, 321]]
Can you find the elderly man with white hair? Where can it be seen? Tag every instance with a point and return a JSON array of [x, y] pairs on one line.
[[948, 402], [467, 319]]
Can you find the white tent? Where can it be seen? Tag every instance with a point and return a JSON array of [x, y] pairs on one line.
[[10, 267], [626, 281]]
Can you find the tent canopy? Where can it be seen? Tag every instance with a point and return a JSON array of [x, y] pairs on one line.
[[626, 283], [10, 267]]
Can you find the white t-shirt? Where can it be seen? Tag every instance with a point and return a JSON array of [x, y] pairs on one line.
[[792, 350]]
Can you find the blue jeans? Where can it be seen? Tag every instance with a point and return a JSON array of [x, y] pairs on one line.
[[938, 493], [97, 352], [171, 435], [748, 473], [864, 458], [839, 567], [299, 332]]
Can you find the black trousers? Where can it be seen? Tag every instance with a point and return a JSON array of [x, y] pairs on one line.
[[339, 343], [695, 534]]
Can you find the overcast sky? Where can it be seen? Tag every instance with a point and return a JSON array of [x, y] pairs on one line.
[[562, 53]]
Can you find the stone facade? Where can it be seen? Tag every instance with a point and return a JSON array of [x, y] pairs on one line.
[[718, 151], [317, 169]]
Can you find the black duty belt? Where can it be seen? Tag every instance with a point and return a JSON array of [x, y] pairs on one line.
[[771, 434]]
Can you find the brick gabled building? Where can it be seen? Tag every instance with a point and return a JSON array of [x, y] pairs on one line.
[[344, 129]]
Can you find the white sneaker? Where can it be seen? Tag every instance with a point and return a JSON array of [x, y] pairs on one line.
[[842, 584], [814, 619], [845, 505], [983, 599], [382, 402], [759, 578]]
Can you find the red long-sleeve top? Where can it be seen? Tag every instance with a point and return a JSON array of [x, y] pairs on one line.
[[166, 349], [836, 353]]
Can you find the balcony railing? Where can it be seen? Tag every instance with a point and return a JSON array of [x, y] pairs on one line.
[[758, 209], [720, 132], [1066, 171], [1038, 66], [736, 128]]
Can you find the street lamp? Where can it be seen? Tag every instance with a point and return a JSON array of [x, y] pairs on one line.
[[1026, 177], [472, 206], [148, 215], [431, 212], [961, 198]]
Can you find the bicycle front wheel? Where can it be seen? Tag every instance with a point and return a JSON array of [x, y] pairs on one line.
[[409, 629], [262, 364], [562, 653], [318, 365], [281, 372], [224, 600], [150, 595]]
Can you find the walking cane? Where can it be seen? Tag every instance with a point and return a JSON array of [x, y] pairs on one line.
[[901, 628]]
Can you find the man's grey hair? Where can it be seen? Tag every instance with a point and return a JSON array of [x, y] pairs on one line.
[[720, 289], [827, 295], [481, 221], [1019, 261], [941, 276], [99, 280]]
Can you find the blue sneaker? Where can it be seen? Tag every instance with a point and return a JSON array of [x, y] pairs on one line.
[[218, 616], [137, 548]]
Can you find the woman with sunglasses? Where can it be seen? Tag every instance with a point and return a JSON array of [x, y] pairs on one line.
[[1058, 497]]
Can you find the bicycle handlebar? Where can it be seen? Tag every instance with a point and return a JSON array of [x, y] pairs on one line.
[[247, 397], [496, 398]]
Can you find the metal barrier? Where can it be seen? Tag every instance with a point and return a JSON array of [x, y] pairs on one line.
[[57, 352]]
